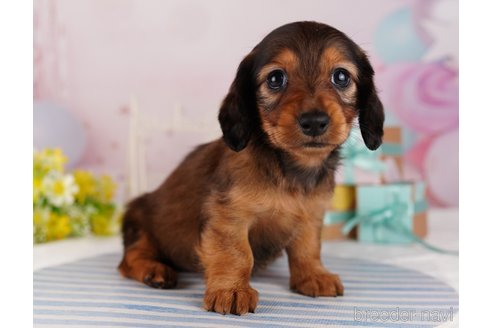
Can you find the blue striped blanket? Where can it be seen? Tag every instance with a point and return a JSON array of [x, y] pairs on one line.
[[91, 293]]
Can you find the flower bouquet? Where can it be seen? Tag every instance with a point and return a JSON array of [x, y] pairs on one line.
[[70, 204]]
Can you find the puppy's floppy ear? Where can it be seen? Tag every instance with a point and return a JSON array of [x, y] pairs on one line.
[[371, 112], [238, 109]]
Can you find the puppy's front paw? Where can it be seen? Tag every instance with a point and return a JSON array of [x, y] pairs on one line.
[[235, 301], [318, 284]]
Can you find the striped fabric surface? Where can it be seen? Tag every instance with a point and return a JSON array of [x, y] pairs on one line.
[[91, 293]]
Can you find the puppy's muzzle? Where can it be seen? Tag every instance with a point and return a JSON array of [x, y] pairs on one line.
[[314, 123]]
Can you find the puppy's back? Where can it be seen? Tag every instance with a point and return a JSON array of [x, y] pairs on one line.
[[171, 216]]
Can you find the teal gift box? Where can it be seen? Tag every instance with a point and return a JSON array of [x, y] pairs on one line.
[[390, 213]]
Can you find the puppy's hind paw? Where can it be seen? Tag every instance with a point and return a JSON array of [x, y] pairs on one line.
[[161, 276]]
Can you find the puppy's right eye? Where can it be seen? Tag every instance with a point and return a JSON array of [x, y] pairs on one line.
[[277, 79]]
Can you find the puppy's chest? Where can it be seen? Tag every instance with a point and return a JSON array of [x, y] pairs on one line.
[[277, 217], [274, 207], [274, 230]]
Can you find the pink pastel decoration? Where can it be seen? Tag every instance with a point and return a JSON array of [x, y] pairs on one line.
[[410, 173], [421, 14], [424, 96], [416, 155], [435, 22], [441, 168]]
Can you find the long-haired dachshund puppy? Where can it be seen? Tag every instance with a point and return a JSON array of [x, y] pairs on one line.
[[237, 202]]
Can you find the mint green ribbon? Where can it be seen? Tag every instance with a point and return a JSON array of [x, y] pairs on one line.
[[391, 217], [338, 217], [392, 149], [355, 154], [420, 206]]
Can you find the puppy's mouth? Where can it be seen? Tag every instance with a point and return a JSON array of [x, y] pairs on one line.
[[315, 144]]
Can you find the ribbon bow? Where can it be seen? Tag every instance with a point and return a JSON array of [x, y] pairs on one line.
[[355, 154], [391, 217]]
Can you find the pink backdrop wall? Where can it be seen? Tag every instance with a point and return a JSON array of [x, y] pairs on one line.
[[92, 55]]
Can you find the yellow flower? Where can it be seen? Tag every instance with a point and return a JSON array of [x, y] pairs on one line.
[[57, 159], [86, 183], [39, 218], [106, 189], [59, 189], [37, 188], [102, 224], [57, 227], [49, 160]]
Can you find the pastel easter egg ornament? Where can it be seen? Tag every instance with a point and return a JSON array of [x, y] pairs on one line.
[[424, 96], [56, 127], [441, 167], [397, 39]]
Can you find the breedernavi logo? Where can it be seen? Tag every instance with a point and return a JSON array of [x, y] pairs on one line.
[[398, 315]]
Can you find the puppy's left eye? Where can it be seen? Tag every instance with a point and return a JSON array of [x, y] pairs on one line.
[[340, 78], [276, 79]]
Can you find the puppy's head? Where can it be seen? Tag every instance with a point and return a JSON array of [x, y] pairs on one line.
[[301, 88]]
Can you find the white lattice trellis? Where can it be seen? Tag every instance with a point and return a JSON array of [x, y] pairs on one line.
[[140, 128]]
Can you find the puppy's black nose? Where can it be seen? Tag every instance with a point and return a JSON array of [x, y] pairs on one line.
[[314, 123]]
